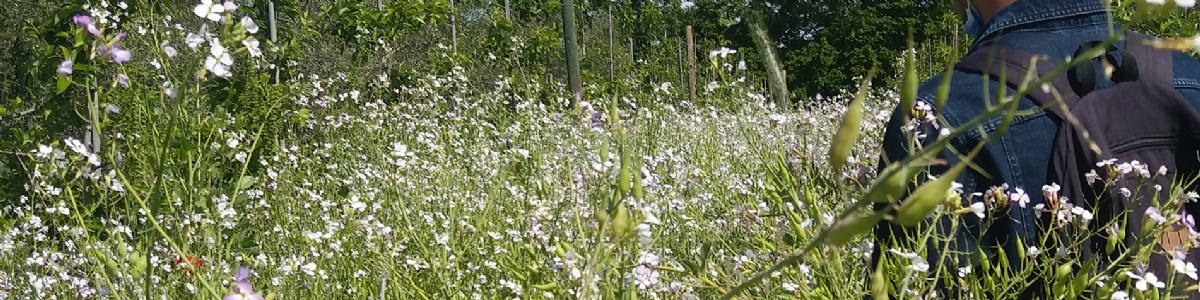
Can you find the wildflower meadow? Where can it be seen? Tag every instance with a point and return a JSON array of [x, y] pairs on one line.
[[338, 149]]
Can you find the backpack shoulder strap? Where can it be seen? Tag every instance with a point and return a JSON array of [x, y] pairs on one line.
[[1155, 66], [991, 59]]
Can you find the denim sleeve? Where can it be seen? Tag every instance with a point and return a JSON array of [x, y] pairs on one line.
[[1187, 78]]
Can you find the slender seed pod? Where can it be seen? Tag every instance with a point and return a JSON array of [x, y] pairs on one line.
[[943, 90], [845, 230], [985, 264], [850, 128], [1082, 278], [1062, 275], [604, 155], [614, 119], [846, 136], [908, 89], [110, 264], [625, 177], [1111, 245], [620, 222], [926, 198], [138, 261], [879, 285], [892, 187]]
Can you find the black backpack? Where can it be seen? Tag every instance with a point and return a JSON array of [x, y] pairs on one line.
[[1141, 118]]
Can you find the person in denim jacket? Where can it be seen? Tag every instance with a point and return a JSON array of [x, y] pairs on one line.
[[1020, 158]]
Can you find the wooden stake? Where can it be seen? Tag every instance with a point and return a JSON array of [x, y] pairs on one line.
[[569, 40], [691, 56]]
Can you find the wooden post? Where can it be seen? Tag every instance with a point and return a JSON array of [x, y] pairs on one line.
[[568, 15], [632, 59], [741, 62], [679, 60], [274, 34], [631, 48], [507, 10], [691, 56]]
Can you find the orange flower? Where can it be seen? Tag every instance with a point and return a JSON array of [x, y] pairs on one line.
[[192, 264]]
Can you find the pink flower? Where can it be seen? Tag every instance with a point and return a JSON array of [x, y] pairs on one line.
[[86, 21], [66, 67], [119, 55], [1020, 197], [82, 20], [244, 290], [1155, 215]]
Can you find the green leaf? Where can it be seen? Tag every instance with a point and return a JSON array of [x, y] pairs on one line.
[[246, 182], [63, 83], [85, 67]]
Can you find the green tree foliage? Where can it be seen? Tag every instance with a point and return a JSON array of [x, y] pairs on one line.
[[827, 44]]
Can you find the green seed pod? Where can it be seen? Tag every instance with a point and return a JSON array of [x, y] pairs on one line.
[[1113, 241], [908, 90], [985, 264], [848, 131], [1064, 271], [1082, 278], [943, 90], [1063, 279], [926, 198], [110, 265], [122, 252], [138, 261], [604, 155], [845, 230], [846, 135], [602, 216], [795, 225], [625, 178], [620, 222], [1020, 249], [879, 285], [892, 187], [614, 119], [560, 249]]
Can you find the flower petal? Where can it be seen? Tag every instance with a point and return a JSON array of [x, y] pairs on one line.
[[201, 10]]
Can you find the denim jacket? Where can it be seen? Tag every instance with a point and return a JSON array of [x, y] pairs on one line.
[[1021, 157]]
